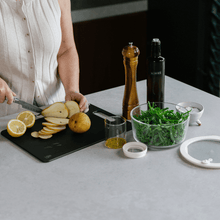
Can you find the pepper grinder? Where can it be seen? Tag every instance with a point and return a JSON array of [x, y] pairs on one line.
[[130, 60]]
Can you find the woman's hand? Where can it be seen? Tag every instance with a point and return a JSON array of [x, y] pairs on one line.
[[5, 91], [78, 97]]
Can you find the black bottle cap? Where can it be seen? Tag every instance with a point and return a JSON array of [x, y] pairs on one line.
[[155, 48]]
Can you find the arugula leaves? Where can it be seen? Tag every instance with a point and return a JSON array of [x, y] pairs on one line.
[[162, 126]]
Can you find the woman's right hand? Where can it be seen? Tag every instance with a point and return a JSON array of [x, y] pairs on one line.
[[5, 91]]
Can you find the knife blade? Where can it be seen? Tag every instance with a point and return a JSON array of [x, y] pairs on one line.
[[27, 105]]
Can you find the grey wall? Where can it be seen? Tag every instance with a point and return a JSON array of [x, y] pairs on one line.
[[83, 4]]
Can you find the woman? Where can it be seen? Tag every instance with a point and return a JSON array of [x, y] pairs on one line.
[[38, 58]]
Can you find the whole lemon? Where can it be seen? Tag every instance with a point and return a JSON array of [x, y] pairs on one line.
[[79, 122]]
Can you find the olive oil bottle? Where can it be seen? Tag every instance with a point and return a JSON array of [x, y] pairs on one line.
[[155, 73]]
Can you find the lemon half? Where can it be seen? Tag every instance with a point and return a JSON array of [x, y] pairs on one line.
[[16, 128], [27, 117]]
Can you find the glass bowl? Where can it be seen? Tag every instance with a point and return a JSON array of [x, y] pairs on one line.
[[160, 136]]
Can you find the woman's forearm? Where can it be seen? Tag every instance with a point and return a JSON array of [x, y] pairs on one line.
[[68, 68]]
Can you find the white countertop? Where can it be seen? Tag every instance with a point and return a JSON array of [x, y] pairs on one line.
[[100, 183]]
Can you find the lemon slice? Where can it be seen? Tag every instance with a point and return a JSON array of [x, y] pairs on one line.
[[16, 128], [27, 117]]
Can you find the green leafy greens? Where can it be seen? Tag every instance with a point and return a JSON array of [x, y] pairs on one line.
[[162, 126]]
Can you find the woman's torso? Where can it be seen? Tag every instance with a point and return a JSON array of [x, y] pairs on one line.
[[30, 37]]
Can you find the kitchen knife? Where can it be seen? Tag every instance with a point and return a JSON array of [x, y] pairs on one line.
[[27, 105]]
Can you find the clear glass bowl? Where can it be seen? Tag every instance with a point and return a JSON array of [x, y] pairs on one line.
[[162, 135]]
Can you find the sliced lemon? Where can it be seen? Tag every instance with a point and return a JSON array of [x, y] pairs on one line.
[[27, 117], [16, 128]]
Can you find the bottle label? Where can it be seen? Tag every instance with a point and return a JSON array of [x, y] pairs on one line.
[[156, 73]]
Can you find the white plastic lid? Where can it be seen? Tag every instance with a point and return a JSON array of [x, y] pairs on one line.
[[135, 149], [207, 161]]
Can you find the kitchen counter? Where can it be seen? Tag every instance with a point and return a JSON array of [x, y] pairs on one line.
[[100, 183]]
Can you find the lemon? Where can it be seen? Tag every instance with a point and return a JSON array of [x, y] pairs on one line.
[[27, 117], [16, 128], [79, 122]]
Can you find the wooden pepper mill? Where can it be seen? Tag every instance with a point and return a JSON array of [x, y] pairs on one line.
[[130, 54]]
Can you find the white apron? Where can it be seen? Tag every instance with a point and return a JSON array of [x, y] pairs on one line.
[[30, 38]]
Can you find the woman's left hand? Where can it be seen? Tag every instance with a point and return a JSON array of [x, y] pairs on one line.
[[78, 97]]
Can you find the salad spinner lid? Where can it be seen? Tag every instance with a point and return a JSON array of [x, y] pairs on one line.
[[202, 151]]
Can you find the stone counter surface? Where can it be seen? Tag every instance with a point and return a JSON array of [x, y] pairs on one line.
[[97, 183]]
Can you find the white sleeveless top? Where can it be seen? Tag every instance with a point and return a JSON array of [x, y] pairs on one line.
[[30, 38]]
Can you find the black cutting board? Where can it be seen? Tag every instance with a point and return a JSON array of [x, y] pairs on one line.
[[64, 142]]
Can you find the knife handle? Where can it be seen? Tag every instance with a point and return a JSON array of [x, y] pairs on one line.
[[14, 98], [104, 116]]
